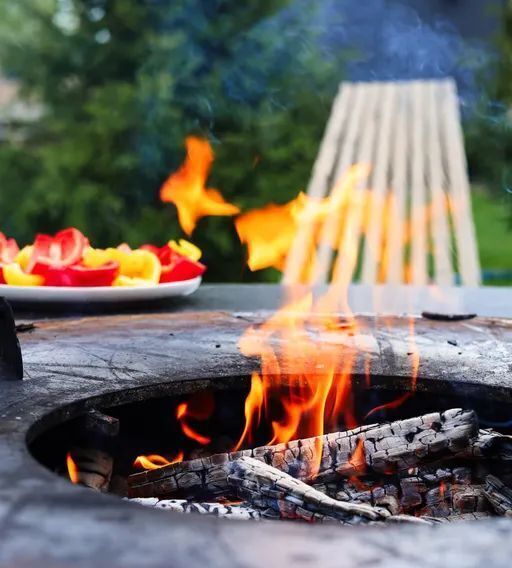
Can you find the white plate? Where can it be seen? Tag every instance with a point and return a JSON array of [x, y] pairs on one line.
[[110, 294]]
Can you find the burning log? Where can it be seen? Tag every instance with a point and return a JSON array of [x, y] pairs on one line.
[[386, 448], [499, 496], [266, 487], [92, 463], [89, 467]]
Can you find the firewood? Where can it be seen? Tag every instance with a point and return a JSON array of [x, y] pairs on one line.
[[266, 487], [489, 445], [499, 496], [395, 446], [238, 511], [100, 424], [459, 517], [94, 468]]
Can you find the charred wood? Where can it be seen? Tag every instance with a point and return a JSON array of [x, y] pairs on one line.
[[499, 496], [386, 448], [266, 487], [94, 468], [225, 511]]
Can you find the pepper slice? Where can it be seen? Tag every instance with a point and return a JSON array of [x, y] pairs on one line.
[[64, 249], [182, 269], [176, 266], [79, 275], [14, 276], [8, 251], [138, 267]]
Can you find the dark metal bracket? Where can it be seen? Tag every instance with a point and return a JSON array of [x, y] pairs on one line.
[[11, 361]]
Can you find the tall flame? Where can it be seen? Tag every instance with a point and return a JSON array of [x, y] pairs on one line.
[[186, 187]]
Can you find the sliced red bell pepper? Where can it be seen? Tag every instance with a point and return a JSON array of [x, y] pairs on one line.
[[182, 269], [80, 275], [8, 251], [64, 249], [175, 266], [102, 276]]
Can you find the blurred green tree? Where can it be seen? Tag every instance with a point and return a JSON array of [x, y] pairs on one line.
[[123, 82], [488, 128]]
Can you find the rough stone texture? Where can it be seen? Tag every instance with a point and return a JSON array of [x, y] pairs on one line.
[[386, 448], [75, 364]]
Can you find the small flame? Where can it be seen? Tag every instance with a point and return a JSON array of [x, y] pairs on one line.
[[155, 461], [199, 407], [72, 469], [186, 187]]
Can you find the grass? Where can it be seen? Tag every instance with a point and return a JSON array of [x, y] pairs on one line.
[[494, 235]]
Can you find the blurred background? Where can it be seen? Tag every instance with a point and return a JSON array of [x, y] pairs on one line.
[[97, 97]]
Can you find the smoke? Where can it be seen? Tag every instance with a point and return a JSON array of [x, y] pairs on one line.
[[357, 41]]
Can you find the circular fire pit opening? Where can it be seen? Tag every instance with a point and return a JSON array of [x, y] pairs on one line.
[[422, 461]]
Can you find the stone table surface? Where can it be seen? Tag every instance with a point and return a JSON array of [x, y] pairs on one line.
[[75, 362]]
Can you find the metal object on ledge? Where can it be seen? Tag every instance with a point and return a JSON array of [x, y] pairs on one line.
[[11, 362]]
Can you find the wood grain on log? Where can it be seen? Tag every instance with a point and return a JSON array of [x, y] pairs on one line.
[[499, 495], [391, 447], [489, 445], [266, 487]]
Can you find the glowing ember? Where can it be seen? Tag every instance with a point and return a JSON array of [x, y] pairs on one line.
[[155, 461], [186, 187], [72, 469]]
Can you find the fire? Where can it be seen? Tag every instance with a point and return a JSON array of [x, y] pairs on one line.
[[269, 232], [309, 348], [252, 410], [199, 407], [186, 187], [155, 461], [72, 469], [303, 387]]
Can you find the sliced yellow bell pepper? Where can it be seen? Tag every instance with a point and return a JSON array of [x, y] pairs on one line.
[[14, 276], [186, 248], [24, 256], [134, 265]]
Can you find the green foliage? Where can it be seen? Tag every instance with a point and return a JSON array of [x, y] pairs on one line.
[[489, 128], [124, 81]]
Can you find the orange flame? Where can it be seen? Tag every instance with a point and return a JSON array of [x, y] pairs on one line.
[[155, 461], [269, 232], [252, 410], [186, 187], [73, 472], [198, 407], [305, 375]]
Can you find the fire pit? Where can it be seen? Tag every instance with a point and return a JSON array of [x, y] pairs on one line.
[[129, 365]]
